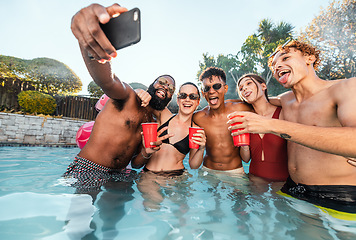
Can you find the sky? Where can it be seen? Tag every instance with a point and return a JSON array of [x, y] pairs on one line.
[[174, 33]]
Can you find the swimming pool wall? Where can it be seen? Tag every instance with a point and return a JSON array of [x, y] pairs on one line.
[[18, 129]]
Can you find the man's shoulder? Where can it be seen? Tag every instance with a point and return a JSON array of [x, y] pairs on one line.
[[342, 88], [200, 115], [201, 112], [286, 96], [130, 101], [351, 82], [237, 105]]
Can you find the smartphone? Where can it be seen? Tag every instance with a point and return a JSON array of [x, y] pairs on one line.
[[124, 30]]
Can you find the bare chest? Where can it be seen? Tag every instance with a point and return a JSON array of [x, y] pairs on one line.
[[318, 110]]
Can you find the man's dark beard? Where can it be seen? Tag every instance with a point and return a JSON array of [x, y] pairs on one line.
[[157, 103]]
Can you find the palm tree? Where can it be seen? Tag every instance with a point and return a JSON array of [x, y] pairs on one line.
[[271, 36]]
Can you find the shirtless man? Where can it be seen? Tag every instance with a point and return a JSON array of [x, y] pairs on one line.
[[221, 154], [320, 126], [116, 135]]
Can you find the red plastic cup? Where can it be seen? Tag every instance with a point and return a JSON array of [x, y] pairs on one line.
[[149, 133], [193, 130], [242, 139]]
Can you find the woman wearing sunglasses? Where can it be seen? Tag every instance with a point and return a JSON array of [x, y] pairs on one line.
[[166, 163], [173, 150], [268, 152]]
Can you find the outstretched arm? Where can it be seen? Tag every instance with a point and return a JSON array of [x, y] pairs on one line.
[[334, 140], [96, 49]]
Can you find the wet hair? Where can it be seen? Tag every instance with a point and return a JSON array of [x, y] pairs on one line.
[[255, 78], [190, 83], [213, 71], [305, 48]]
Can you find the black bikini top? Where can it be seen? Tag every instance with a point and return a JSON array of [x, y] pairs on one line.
[[183, 145]]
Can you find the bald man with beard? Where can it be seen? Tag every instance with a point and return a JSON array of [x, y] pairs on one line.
[[116, 138]]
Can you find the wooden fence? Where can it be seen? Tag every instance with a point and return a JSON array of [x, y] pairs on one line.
[[80, 107], [9, 91], [76, 107]]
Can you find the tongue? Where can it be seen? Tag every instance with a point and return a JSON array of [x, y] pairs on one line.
[[214, 101], [284, 78]]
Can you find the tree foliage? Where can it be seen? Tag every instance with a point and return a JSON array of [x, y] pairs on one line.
[[54, 77], [333, 32], [36, 102], [12, 68], [136, 85], [94, 90], [252, 57], [46, 75], [227, 63]]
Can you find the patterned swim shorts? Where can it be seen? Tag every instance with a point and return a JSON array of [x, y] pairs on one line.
[[91, 176]]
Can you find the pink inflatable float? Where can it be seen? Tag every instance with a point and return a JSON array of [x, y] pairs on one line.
[[84, 131], [101, 102], [83, 134]]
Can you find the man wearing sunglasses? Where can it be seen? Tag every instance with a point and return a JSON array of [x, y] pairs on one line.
[[116, 135], [320, 126], [221, 154]]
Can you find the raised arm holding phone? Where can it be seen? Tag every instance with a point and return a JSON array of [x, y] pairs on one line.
[[116, 136]]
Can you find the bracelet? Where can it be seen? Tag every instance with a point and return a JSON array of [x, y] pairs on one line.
[[148, 157]]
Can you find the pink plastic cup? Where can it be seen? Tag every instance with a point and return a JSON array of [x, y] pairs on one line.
[[193, 130], [149, 133], [242, 139]]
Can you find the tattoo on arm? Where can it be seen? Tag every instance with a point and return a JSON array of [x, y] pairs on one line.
[[285, 136]]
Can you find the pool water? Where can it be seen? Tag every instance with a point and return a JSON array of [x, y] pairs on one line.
[[36, 203]]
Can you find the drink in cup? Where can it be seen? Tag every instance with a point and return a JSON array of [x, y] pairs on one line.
[[193, 130], [242, 139], [149, 133]]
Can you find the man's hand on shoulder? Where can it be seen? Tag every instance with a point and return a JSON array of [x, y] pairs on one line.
[[144, 96]]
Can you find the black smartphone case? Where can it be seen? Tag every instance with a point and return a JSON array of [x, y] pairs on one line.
[[124, 30]]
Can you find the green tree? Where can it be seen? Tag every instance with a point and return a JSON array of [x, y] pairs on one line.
[[54, 77], [136, 85], [253, 56], [36, 102], [257, 48], [12, 68], [333, 32], [94, 90], [228, 63], [45, 74]]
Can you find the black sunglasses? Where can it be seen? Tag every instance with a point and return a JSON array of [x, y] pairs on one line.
[[164, 82], [192, 96], [216, 87]]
